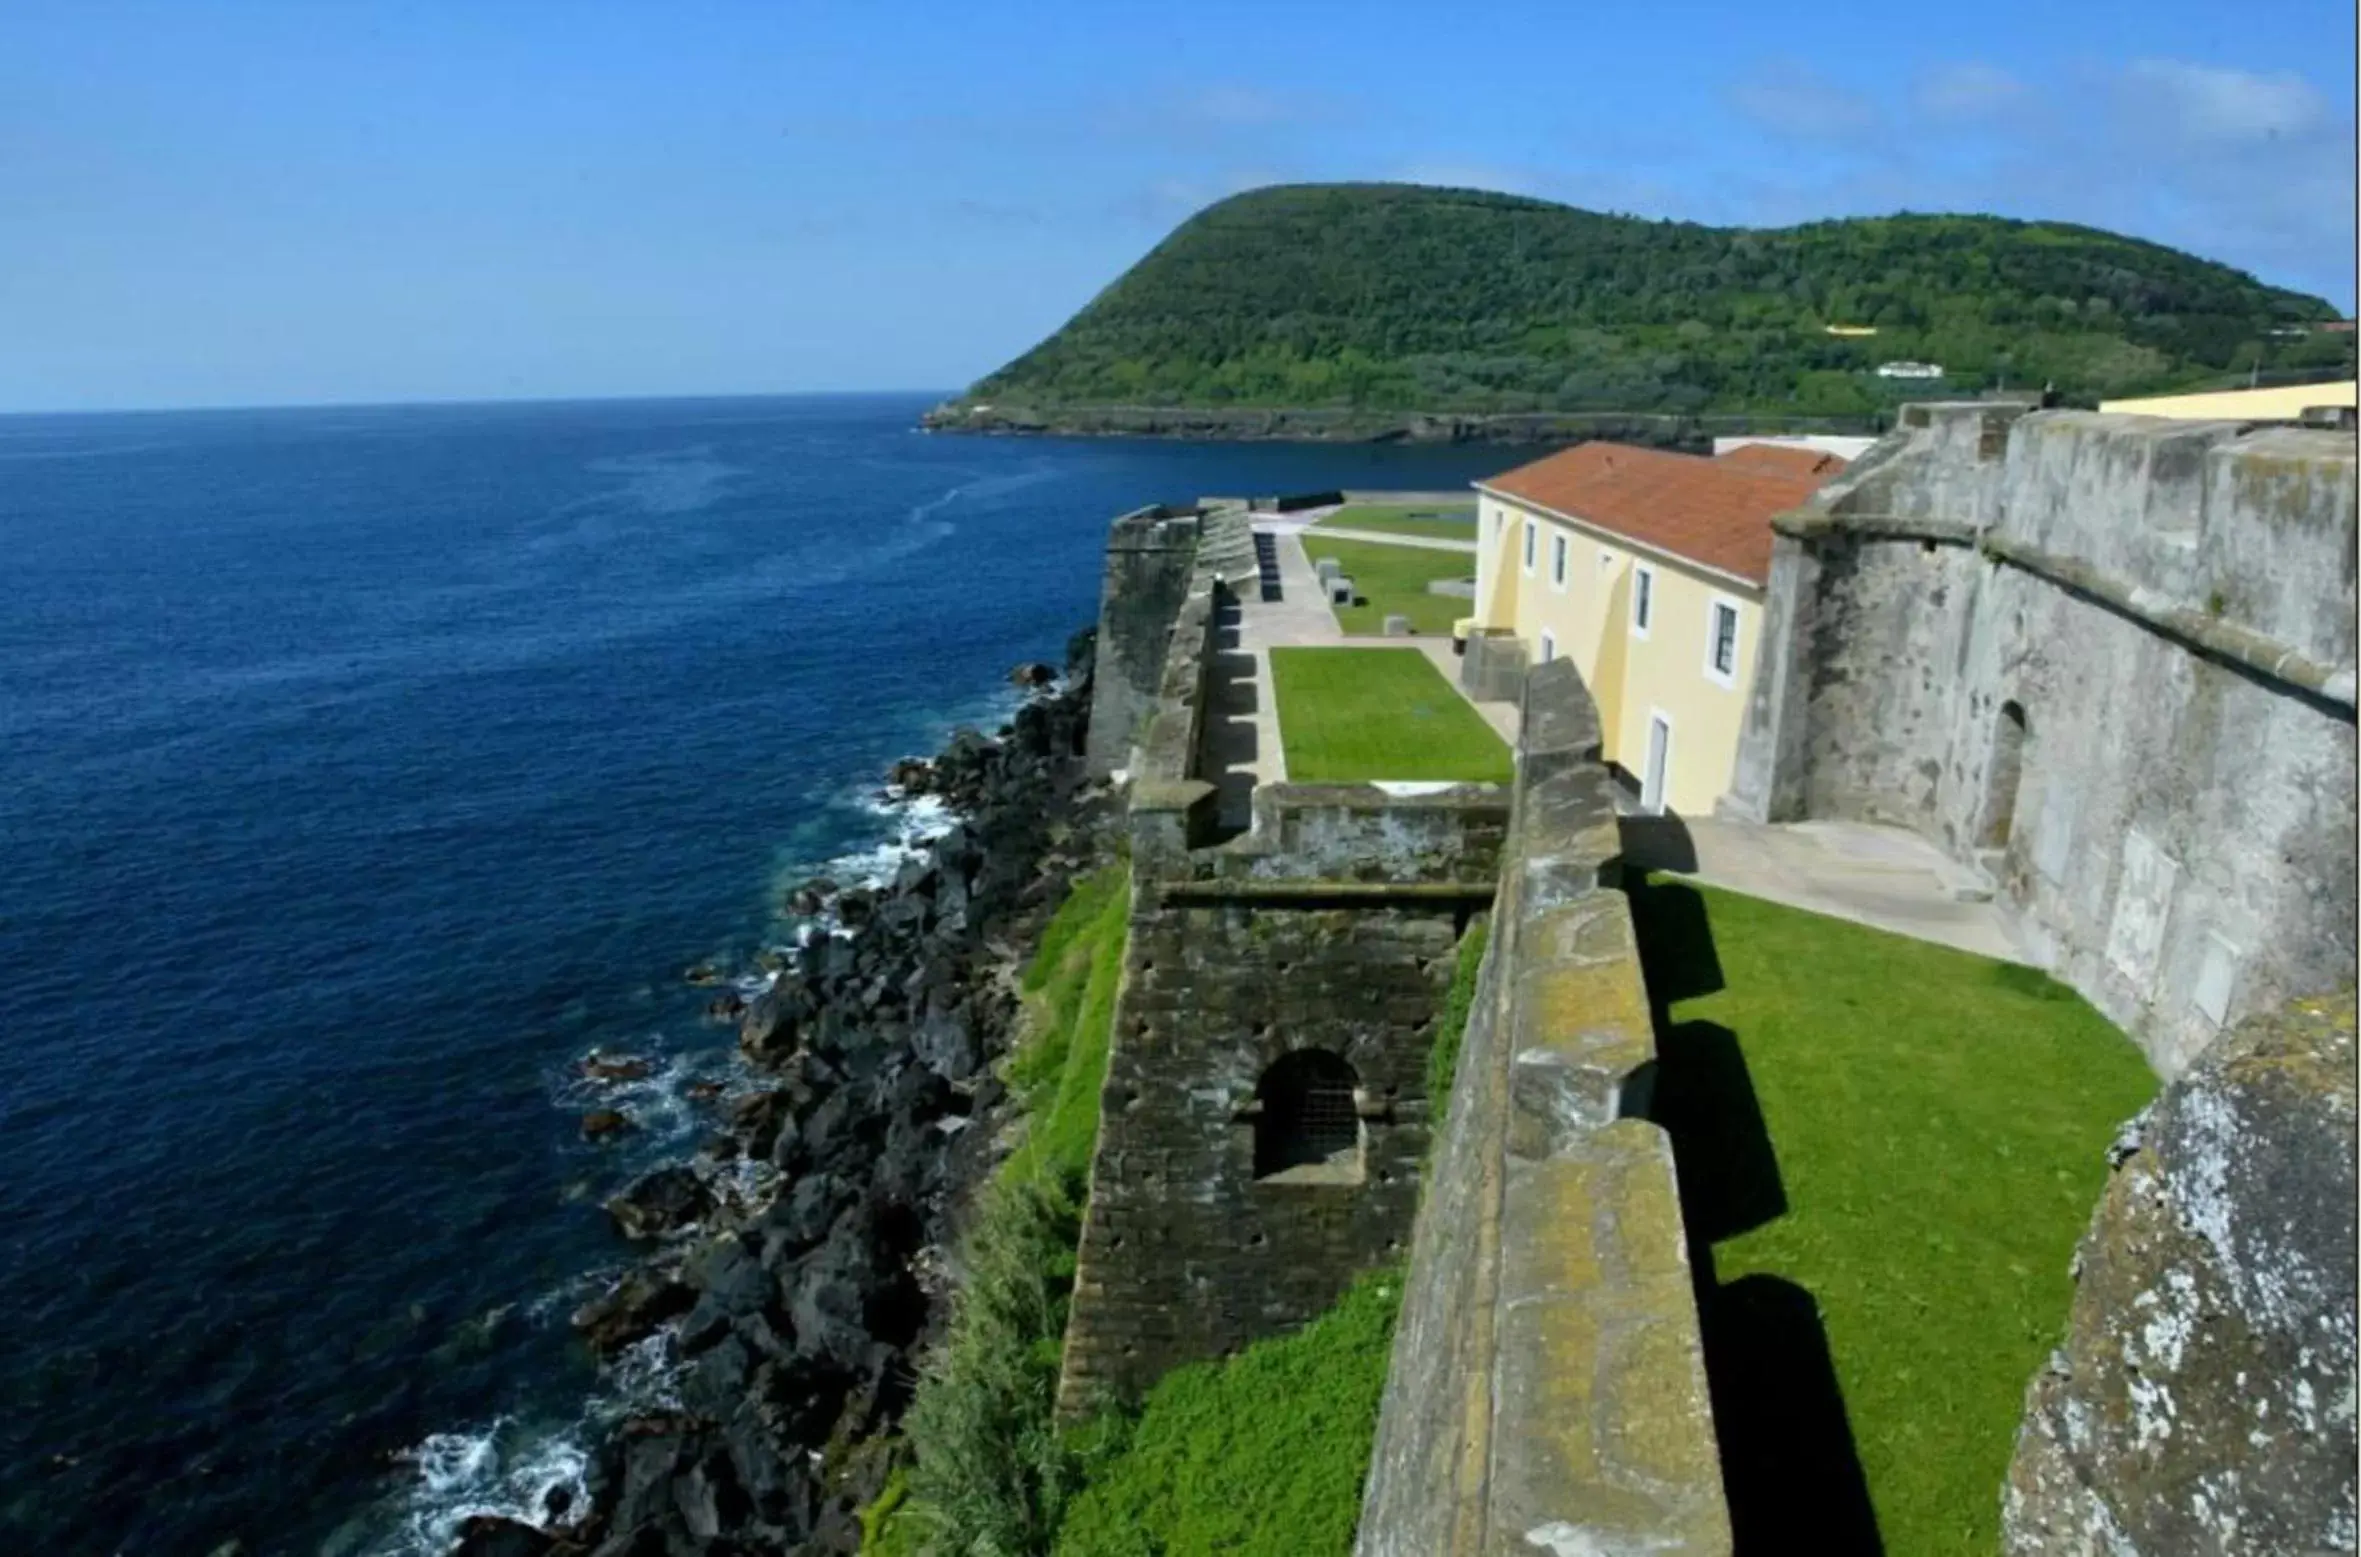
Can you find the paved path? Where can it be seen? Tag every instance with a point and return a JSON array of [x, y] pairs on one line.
[[1380, 538], [1885, 877]]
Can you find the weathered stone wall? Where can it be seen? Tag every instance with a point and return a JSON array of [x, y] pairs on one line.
[[2204, 1398], [2165, 610], [1185, 1253], [1547, 1391], [1151, 555], [1330, 925]]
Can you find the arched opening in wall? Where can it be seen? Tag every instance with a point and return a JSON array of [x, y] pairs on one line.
[[2001, 775], [1307, 1125]]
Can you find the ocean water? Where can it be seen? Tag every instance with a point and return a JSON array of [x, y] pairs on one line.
[[361, 770]]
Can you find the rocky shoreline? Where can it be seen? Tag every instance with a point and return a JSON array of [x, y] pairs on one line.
[[795, 1265], [1318, 424]]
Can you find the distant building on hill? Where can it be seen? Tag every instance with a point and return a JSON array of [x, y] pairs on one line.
[[1646, 568], [1852, 329], [1910, 370]]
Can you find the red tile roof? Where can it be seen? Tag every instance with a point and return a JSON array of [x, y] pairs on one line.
[[1716, 512]]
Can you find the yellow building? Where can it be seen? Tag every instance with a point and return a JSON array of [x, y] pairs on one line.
[[1647, 569], [2278, 403]]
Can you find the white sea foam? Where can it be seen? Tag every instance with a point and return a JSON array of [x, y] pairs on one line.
[[506, 1469], [662, 1113], [511, 1469]]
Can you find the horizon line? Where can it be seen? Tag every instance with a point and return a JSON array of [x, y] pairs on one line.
[[457, 401]]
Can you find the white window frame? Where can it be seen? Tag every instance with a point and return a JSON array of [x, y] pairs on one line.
[[1532, 544], [1643, 599], [1560, 549], [1549, 646], [1713, 610]]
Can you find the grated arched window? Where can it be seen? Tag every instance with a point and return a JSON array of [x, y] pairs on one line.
[[1308, 1115]]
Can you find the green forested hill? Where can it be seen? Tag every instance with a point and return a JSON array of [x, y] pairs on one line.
[[1402, 297]]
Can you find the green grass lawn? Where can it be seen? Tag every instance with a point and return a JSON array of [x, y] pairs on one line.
[[1392, 580], [1355, 714], [1887, 1151], [1442, 524]]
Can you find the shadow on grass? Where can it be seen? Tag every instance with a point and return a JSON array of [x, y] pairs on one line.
[[1789, 1464]]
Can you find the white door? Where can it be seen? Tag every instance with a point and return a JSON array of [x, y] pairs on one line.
[[1659, 760]]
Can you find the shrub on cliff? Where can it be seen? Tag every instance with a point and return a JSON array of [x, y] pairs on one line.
[[989, 1473]]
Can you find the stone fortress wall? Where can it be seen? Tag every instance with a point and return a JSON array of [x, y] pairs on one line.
[[1547, 1390], [1327, 929], [1548, 1375], [2110, 660], [2106, 659]]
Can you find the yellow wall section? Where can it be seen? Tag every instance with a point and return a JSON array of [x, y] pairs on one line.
[[1633, 678], [2281, 401]]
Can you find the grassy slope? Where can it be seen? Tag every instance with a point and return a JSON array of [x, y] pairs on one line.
[[1392, 295], [1354, 714], [1930, 1140], [989, 1467], [1393, 580], [1062, 1062], [1396, 519]]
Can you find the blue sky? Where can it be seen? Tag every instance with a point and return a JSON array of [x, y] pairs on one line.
[[335, 200]]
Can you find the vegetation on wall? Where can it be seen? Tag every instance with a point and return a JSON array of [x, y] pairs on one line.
[[1442, 1061], [1405, 297], [1262, 1454]]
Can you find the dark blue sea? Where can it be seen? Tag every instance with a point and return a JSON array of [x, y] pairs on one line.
[[361, 770]]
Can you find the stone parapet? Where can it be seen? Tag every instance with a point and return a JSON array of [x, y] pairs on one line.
[[1547, 1391]]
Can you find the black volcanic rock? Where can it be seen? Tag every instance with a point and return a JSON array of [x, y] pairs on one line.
[[661, 1202], [795, 1320]]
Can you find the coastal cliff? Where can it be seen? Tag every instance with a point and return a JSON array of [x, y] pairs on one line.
[[1330, 424]]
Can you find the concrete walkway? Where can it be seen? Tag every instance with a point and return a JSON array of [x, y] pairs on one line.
[[1380, 538], [1884, 877]]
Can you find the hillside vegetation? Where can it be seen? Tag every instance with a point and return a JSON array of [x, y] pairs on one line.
[[1407, 298]]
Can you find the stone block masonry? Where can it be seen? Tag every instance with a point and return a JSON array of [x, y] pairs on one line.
[[1151, 555], [1199, 1239], [2110, 661], [1547, 1391]]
